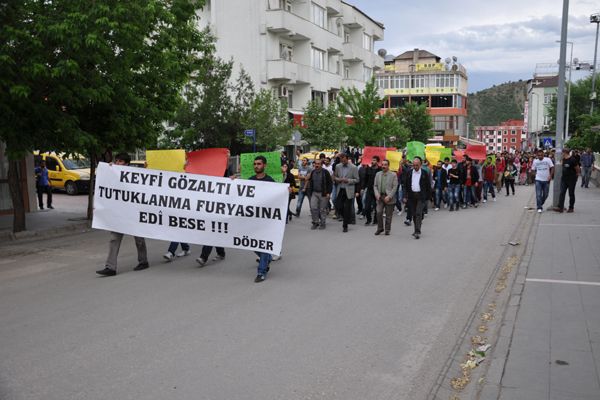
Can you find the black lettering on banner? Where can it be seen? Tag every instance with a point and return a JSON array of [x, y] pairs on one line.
[[246, 190], [252, 243], [150, 218], [239, 210], [186, 223]]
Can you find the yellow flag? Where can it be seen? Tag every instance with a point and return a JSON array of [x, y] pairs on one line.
[[394, 157], [166, 160]]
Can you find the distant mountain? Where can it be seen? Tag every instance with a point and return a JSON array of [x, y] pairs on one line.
[[497, 104]]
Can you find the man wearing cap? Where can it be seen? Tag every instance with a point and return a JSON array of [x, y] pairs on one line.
[[385, 188]]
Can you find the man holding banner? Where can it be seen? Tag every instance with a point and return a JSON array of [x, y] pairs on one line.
[[110, 268]]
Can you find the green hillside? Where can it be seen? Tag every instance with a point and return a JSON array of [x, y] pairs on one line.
[[497, 104]]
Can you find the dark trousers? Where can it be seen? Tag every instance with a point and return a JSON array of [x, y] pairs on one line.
[[344, 205], [206, 250], [173, 247], [509, 183], [416, 207], [40, 193], [369, 206], [567, 184]]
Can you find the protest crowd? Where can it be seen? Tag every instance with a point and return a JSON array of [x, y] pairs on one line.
[[370, 186]]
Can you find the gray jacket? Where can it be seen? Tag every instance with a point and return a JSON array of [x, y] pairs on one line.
[[349, 171], [391, 185]]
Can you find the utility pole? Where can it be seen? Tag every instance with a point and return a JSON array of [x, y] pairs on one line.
[[594, 19], [560, 108]]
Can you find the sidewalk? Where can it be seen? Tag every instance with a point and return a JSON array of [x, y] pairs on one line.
[[554, 352], [69, 215]]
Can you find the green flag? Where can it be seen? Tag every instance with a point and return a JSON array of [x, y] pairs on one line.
[[273, 165], [414, 149]]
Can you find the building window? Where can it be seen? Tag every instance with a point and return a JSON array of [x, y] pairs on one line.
[[318, 97], [367, 42], [367, 74], [319, 16], [547, 119], [285, 5], [513, 140], [332, 96], [346, 37], [549, 97], [499, 140], [513, 132], [286, 51], [346, 72], [505, 140], [317, 58]]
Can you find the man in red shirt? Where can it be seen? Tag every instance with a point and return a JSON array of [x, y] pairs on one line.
[[489, 177], [500, 167]]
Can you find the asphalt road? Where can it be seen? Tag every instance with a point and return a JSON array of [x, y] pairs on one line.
[[341, 316]]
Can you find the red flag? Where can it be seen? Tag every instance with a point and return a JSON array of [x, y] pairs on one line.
[[369, 152], [476, 151], [211, 162]]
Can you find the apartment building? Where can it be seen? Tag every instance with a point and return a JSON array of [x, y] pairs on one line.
[[420, 76], [301, 49], [509, 136], [541, 92]]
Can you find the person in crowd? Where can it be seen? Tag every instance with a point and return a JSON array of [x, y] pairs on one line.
[[367, 186], [510, 174], [110, 268], [469, 179], [544, 172], [264, 259], [525, 166], [345, 177], [303, 171], [42, 183], [587, 165], [500, 167], [479, 187], [385, 188], [171, 252], [446, 165], [570, 172], [489, 178], [418, 192], [318, 189], [288, 178], [440, 182], [426, 167], [454, 186], [406, 169]]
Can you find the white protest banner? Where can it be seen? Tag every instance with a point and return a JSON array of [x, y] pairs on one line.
[[178, 207]]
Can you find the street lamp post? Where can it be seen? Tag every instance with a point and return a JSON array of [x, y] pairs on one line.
[[560, 105], [537, 104], [567, 136], [594, 19]]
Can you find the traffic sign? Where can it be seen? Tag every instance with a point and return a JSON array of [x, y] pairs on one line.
[[250, 132], [547, 142]]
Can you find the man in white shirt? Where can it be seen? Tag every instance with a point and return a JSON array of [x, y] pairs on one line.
[[418, 192], [544, 171]]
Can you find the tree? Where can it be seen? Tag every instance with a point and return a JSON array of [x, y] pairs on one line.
[[92, 77], [324, 127], [417, 120], [268, 115], [394, 133], [213, 109], [588, 134], [579, 106], [364, 108]]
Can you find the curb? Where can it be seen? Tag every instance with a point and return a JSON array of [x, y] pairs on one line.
[[30, 235]]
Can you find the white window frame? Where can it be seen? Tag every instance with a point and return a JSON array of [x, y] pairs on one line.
[[286, 51], [367, 73], [318, 59], [367, 42], [319, 15]]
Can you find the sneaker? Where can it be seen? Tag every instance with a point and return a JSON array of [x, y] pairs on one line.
[[201, 261], [168, 256], [361, 217], [276, 258], [218, 257], [314, 226], [494, 199], [321, 227], [570, 210], [436, 209], [539, 210], [406, 222], [259, 278], [387, 233], [378, 232], [141, 266], [107, 272], [484, 200], [345, 229], [183, 253]]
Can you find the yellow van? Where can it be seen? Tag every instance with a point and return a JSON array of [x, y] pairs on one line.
[[69, 174]]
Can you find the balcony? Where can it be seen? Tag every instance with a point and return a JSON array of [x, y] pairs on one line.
[[288, 72], [298, 29], [334, 7], [353, 53]]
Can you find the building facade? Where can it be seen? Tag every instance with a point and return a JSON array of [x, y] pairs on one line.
[[541, 92], [508, 136], [420, 76], [301, 49]]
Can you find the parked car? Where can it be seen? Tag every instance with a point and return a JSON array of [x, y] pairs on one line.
[[69, 174]]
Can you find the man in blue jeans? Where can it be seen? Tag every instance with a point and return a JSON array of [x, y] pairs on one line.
[[544, 171]]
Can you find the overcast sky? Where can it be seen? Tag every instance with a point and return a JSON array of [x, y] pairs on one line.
[[496, 41]]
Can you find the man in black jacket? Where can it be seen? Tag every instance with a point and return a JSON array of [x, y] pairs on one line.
[[417, 187], [367, 181], [318, 187], [469, 178]]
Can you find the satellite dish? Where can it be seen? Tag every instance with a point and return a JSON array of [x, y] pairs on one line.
[[448, 60], [454, 59], [454, 67], [382, 52]]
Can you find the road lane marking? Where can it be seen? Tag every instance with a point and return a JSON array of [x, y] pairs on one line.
[[574, 225], [562, 281]]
